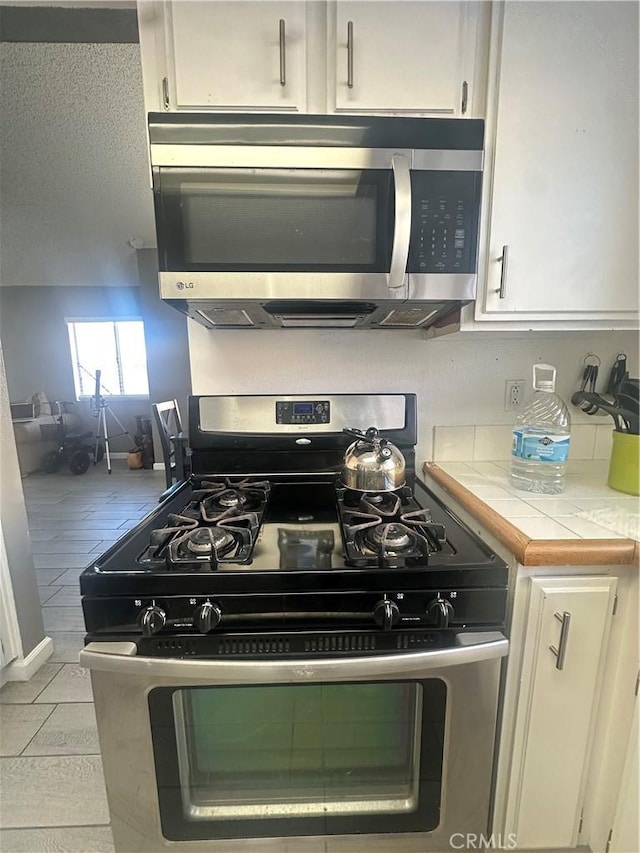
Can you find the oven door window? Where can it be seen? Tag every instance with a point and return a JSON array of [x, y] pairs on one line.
[[274, 220], [235, 762]]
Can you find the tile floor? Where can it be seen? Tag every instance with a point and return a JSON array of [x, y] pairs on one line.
[[52, 795]]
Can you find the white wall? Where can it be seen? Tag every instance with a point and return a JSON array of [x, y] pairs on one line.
[[13, 516], [75, 179], [459, 379]]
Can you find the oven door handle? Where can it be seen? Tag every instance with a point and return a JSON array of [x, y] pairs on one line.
[[402, 227], [122, 658]]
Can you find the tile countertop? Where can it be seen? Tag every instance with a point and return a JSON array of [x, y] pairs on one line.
[[588, 524]]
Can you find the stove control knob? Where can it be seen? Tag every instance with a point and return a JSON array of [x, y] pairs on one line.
[[153, 619], [440, 611], [208, 617], [386, 614]]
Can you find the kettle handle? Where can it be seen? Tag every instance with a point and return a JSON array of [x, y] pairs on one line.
[[370, 435]]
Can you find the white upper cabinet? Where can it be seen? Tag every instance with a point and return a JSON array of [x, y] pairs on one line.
[[244, 55], [321, 56], [410, 57], [560, 221]]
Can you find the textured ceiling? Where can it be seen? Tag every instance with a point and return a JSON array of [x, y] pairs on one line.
[[74, 182]]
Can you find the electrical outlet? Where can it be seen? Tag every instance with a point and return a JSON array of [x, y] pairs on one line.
[[513, 394]]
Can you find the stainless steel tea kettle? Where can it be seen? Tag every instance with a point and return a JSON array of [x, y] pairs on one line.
[[372, 464]]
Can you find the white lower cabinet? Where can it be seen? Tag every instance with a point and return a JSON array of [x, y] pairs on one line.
[[625, 834], [563, 649]]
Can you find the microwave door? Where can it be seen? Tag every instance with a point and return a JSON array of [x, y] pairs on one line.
[[285, 222]]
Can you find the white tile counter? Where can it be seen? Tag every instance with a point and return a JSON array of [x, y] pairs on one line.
[[588, 523]]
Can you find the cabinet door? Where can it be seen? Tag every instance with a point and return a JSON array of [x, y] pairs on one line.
[[561, 670], [236, 55], [625, 835], [402, 56], [565, 172]]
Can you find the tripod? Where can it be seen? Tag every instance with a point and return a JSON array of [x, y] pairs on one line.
[[102, 407]]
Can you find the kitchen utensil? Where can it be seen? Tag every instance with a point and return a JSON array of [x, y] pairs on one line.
[[624, 467], [625, 401], [631, 387], [589, 402], [618, 374], [625, 420], [590, 373], [371, 463]]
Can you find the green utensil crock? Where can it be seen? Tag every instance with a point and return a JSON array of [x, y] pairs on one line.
[[624, 467]]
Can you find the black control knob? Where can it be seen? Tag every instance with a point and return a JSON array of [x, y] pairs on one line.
[[440, 611], [386, 614], [153, 620], [208, 617]]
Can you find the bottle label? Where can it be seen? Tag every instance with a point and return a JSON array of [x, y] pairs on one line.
[[538, 447]]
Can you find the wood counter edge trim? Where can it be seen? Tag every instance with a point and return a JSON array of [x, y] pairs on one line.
[[515, 540], [579, 552], [537, 552]]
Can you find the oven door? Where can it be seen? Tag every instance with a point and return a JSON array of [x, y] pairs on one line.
[[322, 750]]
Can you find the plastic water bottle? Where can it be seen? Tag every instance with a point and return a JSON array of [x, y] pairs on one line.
[[541, 438]]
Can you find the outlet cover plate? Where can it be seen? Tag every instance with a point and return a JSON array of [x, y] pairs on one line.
[[513, 394]]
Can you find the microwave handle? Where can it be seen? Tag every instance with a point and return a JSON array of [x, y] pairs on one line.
[[402, 229]]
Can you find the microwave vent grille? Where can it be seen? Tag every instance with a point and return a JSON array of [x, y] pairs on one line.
[[407, 317], [226, 317]]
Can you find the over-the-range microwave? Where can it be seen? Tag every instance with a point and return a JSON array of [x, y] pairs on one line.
[[271, 221]]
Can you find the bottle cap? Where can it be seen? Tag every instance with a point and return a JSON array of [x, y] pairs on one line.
[[549, 382]]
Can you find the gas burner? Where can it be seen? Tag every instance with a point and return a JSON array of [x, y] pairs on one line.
[[232, 498], [393, 538], [231, 540], [386, 504], [203, 542], [220, 500], [160, 538], [370, 541], [422, 521]]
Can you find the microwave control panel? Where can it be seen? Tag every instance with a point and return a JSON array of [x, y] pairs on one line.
[[303, 412], [445, 216]]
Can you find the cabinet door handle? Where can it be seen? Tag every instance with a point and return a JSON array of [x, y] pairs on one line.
[[165, 93], [465, 97], [561, 650], [350, 54], [504, 260], [283, 54]]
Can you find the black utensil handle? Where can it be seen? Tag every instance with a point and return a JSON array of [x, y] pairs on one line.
[[617, 375]]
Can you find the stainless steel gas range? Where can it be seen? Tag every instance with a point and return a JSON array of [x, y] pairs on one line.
[[275, 656]]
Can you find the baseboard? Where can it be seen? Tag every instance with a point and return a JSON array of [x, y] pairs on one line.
[[23, 668]]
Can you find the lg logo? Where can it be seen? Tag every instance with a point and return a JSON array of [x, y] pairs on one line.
[[185, 285]]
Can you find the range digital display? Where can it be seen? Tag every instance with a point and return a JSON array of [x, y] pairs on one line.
[[303, 412]]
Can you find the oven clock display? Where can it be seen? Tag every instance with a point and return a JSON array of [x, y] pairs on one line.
[[303, 412]]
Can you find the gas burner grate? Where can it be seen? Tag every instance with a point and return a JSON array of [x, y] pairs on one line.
[[387, 529], [202, 548], [220, 521], [220, 499]]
